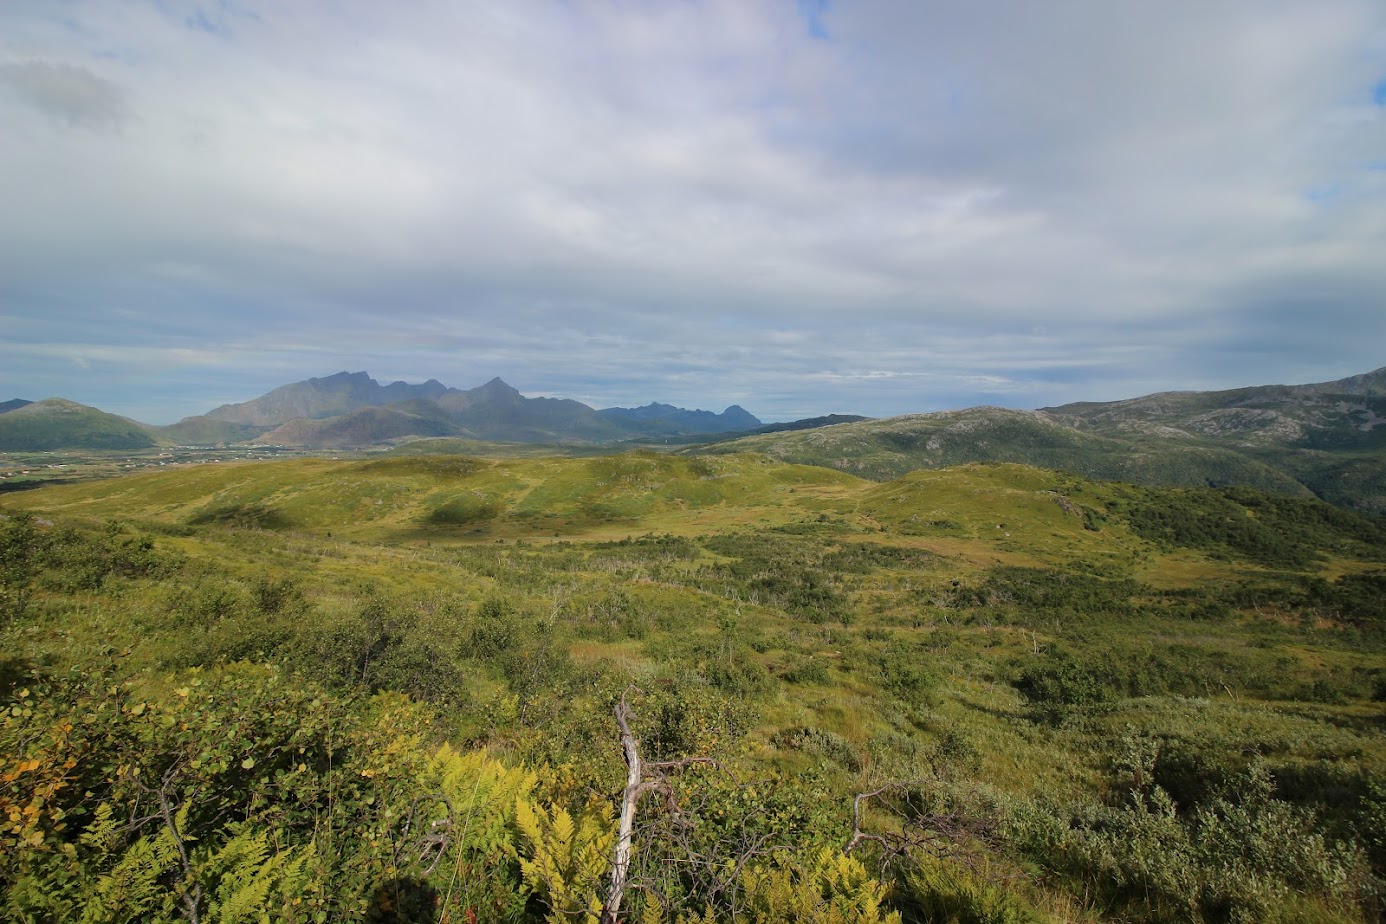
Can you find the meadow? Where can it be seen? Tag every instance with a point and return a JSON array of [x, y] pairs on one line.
[[384, 689]]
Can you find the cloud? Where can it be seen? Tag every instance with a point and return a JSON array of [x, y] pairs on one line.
[[67, 92], [796, 207]]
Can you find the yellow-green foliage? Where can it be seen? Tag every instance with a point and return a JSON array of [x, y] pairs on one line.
[[566, 860], [829, 888], [133, 889], [483, 794], [281, 649], [245, 880]]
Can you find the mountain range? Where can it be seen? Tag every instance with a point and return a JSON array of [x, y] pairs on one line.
[[1327, 439], [352, 410]]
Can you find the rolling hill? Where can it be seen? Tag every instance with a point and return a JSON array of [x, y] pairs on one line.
[[1326, 439], [56, 423], [884, 449], [1347, 414], [1083, 685]]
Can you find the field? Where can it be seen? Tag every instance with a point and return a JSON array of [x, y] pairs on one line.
[[383, 689]]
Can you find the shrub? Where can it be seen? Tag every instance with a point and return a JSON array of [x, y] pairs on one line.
[[1057, 683]]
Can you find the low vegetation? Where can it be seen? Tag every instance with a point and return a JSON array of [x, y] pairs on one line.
[[383, 690]]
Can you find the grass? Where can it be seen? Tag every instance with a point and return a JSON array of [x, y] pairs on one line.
[[867, 630]]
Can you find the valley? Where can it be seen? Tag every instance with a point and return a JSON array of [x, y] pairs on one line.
[[1076, 700]]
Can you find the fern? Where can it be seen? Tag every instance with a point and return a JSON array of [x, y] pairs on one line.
[[136, 887], [832, 889], [568, 858], [483, 794], [244, 878]]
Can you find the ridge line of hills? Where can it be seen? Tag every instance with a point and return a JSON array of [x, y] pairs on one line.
[[1325, 439], [352, 410]]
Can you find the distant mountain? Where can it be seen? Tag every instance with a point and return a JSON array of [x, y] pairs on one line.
[[56, 423], [1329, 436], [734, 419], [364, 427], [1347, 414], [1328, 439], [326, 413], [884, 449], [811, 423], [496, 411], [806, 423], [326, 397], [204, 431]]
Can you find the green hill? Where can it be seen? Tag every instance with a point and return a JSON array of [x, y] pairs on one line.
[[1017, 694], [883, 449], [56, 423], [457, 494], [205, 431]]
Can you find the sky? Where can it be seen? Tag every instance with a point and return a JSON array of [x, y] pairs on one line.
[[874, 207]]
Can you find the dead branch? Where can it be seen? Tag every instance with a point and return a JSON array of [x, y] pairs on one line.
[[945, 835], [641, 777]]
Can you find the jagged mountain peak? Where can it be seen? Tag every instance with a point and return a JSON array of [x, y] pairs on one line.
[[497, 386]]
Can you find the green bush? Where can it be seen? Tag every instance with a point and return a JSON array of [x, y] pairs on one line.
[[1058, 684]]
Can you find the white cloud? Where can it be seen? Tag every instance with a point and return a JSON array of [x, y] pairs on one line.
[[701, 202]]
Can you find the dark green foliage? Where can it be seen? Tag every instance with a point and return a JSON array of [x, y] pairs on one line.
[[809, 669], [243, 516], [1353, 598], [1036, 594], [864, 558], [1269, 528], [444, 467], [465, 510], [803, 593], [681, 718], [787, 573], [736, 670], [19, 563], [383, 647], [647, 549], [1237, 857], [1059, 683], [611, 615], [1358, 598], [907, 675], [497, 630], [82, 560], [278, 595]]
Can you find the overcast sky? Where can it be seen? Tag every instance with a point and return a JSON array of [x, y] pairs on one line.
[[876, 207]]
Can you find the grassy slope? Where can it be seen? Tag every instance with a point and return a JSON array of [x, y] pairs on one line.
[[59, 424], [887, 448], [933, 593]]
